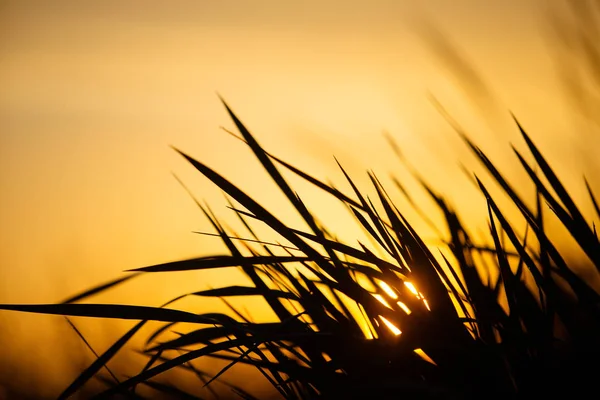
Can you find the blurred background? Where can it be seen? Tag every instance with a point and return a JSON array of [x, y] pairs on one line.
[[93, 94]]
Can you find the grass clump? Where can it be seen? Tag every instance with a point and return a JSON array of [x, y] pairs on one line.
[[354, 324]]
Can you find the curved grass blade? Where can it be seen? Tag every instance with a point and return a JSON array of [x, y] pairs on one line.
[[254, 207], [89, 346], [157, 332], [98, 289], [99, 363], [115, 311], [177, 361], [592, 197], [248, 240], [280, 181], [244, 291], [219, 262], [170, 390]]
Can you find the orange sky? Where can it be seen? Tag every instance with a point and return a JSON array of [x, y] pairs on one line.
[[93, 93]]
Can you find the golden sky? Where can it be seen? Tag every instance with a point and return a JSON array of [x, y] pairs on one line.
[[93, 93]]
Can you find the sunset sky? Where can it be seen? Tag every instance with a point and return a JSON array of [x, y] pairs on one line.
[[93, 94]]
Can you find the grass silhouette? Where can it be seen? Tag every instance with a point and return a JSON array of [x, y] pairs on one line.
[[354, 324]]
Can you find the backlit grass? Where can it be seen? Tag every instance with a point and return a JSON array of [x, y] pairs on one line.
[[390, 319]]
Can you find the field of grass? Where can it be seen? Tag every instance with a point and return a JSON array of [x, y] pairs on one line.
[[392, 318]]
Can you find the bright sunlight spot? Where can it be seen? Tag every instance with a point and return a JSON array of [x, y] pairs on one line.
[[387, 289], [404, 307], [424, 356], [412, 288], [392, 327], [426, 304], [418, 294], [382, 300]]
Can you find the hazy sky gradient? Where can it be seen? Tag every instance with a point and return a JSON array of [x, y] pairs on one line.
[[93, 93]]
